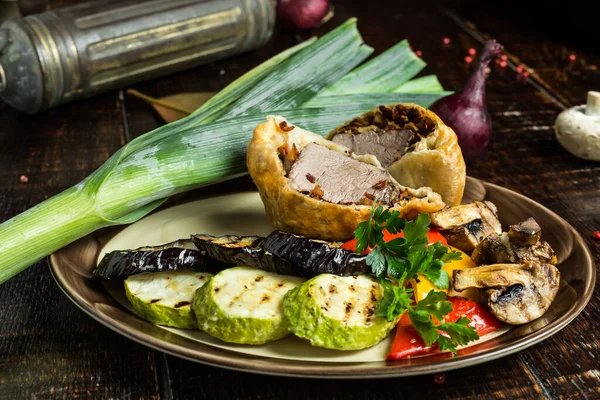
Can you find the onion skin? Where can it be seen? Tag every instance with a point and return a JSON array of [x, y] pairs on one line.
[[301, 15], [465, 111]]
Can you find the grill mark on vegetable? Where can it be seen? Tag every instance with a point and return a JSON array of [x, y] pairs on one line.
[[182, 303], [155, 301], [332, 288], [373, 294], [352, 288], [322, 291], [216, 290], [259, 278], [347, 310], [280, 284], [236, 298], [265, 298]]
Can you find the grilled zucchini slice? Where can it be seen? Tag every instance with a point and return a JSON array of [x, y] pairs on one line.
[[244, 305], [337, 312], [165, 298]]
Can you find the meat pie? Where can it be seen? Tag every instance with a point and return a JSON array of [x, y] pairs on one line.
[[321, 189]]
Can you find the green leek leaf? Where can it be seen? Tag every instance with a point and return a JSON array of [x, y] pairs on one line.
[[375, 99], [382, 74], [423, 84]]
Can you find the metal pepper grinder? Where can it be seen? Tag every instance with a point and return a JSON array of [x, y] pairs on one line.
[[58, 56]]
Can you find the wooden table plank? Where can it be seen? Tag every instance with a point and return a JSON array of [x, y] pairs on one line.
[[543, 44], [48, 347]]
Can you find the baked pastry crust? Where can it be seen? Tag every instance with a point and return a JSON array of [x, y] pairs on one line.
[[435, 161], [291, 211]]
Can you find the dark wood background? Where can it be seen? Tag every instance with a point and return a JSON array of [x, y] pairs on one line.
[[50, 349]]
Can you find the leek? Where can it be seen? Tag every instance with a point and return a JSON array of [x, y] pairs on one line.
[[375, 99], [423, 84], [383, 73], [205, 147], [306, 73]]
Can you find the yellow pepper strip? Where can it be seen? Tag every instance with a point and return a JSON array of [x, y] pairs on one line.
[[423, 285]]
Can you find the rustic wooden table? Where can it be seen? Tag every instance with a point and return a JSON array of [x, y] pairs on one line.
[[50, 349]]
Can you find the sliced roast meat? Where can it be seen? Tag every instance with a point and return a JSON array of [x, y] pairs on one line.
[[410, 124], [465, 226], [386, 133], [386, 145], [525, 233], [334, 177]]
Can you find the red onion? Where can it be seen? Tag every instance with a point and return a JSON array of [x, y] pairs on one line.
[[300, 15], [465, 111]]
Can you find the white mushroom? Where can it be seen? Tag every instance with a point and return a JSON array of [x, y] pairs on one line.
[[578, 128], [514, 293]]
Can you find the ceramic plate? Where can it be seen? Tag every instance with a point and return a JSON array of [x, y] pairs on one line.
[[243, 214]]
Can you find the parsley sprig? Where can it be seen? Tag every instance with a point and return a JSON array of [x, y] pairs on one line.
[[402, 258], [436, 305]]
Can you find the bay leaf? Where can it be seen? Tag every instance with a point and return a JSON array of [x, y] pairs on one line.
[[176, 106]]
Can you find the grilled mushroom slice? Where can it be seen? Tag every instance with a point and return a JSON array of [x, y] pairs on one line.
[[514, 293], [525, 233], [466, 225], [498, 249], [412, 143], [316, 188]]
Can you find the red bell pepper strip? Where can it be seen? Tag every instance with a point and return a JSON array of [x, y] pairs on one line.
[[434, 236], [407, 341]]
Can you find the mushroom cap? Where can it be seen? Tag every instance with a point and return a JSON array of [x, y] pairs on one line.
[[292, 211], [577, 129]]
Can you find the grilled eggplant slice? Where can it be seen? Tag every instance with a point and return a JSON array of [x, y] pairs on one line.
[[311, 257], [165, 298], [283, 253], [514, 293], [177, 255], [244, 305], [243, 250], [465, 226], [337, 312], [500, 249]]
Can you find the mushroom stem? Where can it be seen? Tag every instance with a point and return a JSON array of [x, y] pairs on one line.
[[593, 103]]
